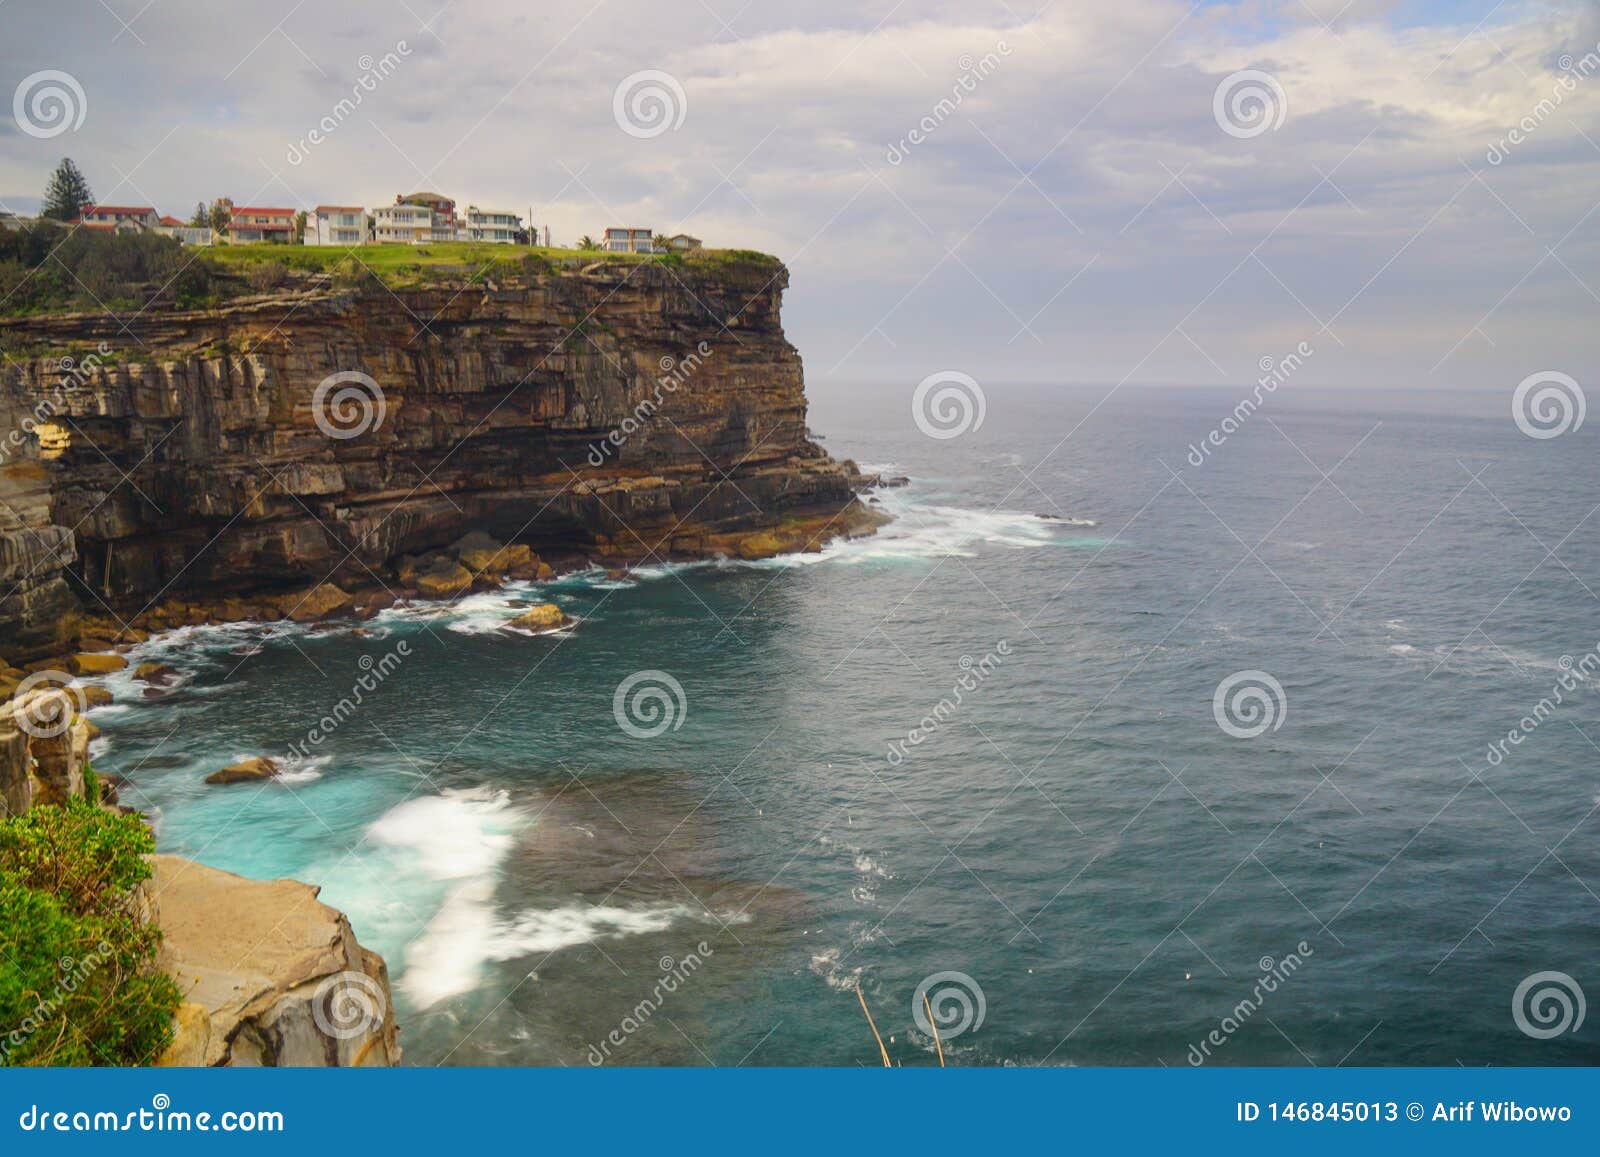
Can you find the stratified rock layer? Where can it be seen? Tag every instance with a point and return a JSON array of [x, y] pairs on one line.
[[620, 411]]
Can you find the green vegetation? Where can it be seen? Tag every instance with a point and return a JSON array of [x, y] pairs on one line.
[[78, 980], [66, 194], [54, 268]]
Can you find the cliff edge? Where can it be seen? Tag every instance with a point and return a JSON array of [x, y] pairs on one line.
[[324, 431]]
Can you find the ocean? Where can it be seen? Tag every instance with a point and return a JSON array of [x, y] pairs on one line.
[[1119, 757]]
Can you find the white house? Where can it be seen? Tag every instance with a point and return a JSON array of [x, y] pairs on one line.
[[629, 240], [336, 225], [403, 224], [492, 225]]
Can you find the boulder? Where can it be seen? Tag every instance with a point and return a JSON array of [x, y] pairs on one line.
[[444, 579], [98, 663], [93, 695], [546, 617], [498, 560], [270, 975], [317, 603], [156, 674], [250, 770]]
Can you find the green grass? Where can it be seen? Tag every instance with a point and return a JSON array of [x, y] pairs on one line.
[[412, 264]]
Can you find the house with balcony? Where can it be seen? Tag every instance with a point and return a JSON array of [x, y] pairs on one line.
[[249, 225], [492, 225], [402, 224], [119, 218], [336, 225], [628, 240]]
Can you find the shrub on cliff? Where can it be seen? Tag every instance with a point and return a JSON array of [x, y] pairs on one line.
[[51, 267], [78, 981]]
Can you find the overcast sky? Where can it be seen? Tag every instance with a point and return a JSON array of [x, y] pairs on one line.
[[1080, 214]]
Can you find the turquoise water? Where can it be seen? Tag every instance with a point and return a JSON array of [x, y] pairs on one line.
[[1078, 837]]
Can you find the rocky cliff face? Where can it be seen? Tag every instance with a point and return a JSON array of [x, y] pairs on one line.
[[622, 412], [270, 974]]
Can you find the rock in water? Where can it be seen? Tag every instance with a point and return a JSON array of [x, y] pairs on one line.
[[97, 664], [317, 603], [443, 580], [245, 771], [546, 617]]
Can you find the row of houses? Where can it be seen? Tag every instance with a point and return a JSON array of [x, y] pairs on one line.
[[413, 219]]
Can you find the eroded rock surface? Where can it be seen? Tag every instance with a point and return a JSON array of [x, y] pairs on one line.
[[270, 975]]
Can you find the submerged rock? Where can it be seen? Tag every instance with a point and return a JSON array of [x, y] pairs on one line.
[[250, 770]]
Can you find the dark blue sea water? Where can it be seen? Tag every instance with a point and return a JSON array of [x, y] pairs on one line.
[[1114, 877]]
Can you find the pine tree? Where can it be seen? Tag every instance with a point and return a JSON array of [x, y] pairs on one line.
[[66, 194], [202, 216]]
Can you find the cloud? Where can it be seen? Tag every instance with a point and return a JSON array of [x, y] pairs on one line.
[[1075, 212]]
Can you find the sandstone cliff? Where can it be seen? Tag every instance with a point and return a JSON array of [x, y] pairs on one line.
[[621, 412], [270, 974]]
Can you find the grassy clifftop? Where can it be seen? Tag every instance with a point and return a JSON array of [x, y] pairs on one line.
[[50, 270]]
